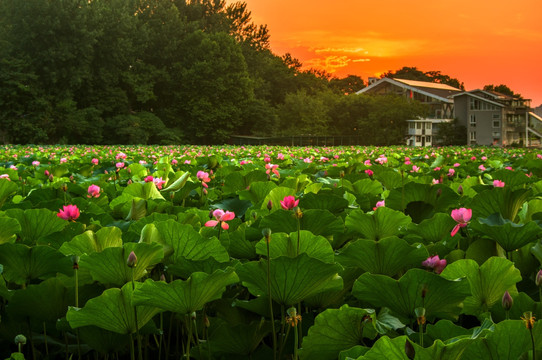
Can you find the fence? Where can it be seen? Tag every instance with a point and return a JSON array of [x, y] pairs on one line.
[[301, 140]]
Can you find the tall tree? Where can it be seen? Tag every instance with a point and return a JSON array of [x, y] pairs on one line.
[[413, 73], [503, 89]]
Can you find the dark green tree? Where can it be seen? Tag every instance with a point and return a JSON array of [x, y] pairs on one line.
[[503, 89], [347, 85]]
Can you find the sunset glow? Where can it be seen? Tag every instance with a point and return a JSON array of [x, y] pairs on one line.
[[477, 42]]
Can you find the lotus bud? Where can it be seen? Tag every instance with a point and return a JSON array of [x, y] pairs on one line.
[[460, 190], [439, 192], [267, 234], [75, 262], [538, 279], [46, 173], [193, 316], [163, 278], [132, 260], [51, 178], [129, 182], [409, 350], [269, 205], [507, 301]]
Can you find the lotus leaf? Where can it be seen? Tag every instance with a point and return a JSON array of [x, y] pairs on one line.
[[317, 221], [282, 244], [23, 263], [488, 282], [384, 222], [257, 192], [36, 223], [439, 196], [109, 265], [434, 229], [237, 339], [323, 200], [443, 298], [113, 311], [499, 200], [292, 279], [509, 235], [7, 188], [9, 227], [387, 256], [90, 242], [185, 296]]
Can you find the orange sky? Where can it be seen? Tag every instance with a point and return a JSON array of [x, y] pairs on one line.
[[478, 42]]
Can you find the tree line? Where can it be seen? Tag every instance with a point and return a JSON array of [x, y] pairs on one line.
[[170, 71]]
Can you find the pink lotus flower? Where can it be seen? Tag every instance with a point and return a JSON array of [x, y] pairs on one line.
[[369, 172], [482, 168], [35, 163], [270, 168], [120, 155], [148, 178], [380, 204], [68, 212], [94, 161], [63, 160], [451, 172], [119, 165], [462, 216], [5, 176], [93, 191], [158, 182], [498, 183], [435, 263], [289, 202], [221, 218], [367, 163], [204, 177], [280, 156]]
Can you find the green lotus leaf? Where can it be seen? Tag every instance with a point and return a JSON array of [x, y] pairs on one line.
[[234, 182], [387, 256], [258, 191], [536, 250], [137, 226], [488, 282], [353, 353], [189, 244], [281, 244], [185, 296], [335, 298], [9, 228], [323, 200], [509, 340], [532, 210], [522, 303], [389, 178], [439, 196], [367, 187], [185, 267], [36, 223], [23, 263], [292, 279], [334, 330], [138, 210], [434, 229], [509, 235], [237, 339], [391, 349], [238, 206], [178, 184], [46, 301], [481, 250], [384, 222], [318, 221], [511, 179], [143, 191], [90, 242], [7, 188], [443, 298], [499, 200], [241, 246], [109, 266], [113, 311], [444, 330], [103, 341]]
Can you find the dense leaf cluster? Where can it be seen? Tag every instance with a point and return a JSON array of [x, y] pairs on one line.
[[147, 71]]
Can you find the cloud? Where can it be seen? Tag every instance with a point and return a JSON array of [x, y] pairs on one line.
[[329, 63]]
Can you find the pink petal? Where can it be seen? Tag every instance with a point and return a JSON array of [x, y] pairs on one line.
[[211, 223], [225, 225], [228, 216], [455, 230]]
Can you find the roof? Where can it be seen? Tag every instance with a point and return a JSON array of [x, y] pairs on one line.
[[437, 91], [469, 93]]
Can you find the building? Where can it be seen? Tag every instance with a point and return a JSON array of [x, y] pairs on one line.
[[491, 118], [438, 98]]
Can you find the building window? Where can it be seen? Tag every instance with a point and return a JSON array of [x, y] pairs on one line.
[[473, 135], [418, 138], [496, 116], [496, 123], [473, 120], [428, 139], [428, 126], [411, 125], [418, 125]]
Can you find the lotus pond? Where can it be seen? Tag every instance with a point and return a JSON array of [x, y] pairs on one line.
[[270, 253]]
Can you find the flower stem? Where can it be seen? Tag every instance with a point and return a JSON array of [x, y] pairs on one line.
[[271, 302], [139, 347], [532, 342], [296, 341]]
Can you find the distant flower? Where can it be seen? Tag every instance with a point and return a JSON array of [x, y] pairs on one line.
[[367, 163], [221, 218], [68, 212], [538, 278], [451, 172], [498, 183], [63, 160], [462, 216], [435, 263], [93, 191], [148, 178], [158, 182], [369, 172], [484, 158], [35, 163], [482, 168], [307, 160], [187, 162], [507, 301], [204, 178], [435, 181], [457, 165], [509, 168], [13, 167], [119, 165], [289, 202], [280, 156], [95, 161], [120, 155], [415, 168], [142, 162], [131, 261], [174, 162], [381, 159], [5, 176], [270, 168], [267, 159]]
